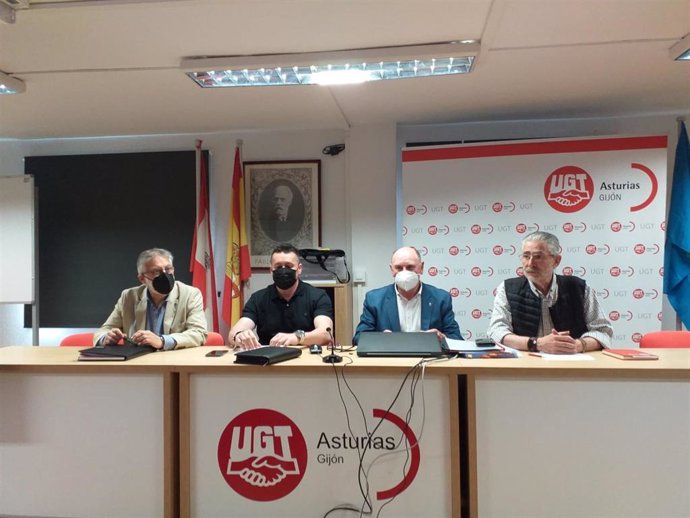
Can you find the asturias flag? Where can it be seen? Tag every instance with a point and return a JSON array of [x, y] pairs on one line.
[[201, 264], [677, 252], [237, 267]]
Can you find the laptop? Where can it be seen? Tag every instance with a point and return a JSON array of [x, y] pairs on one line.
[[379, 344]]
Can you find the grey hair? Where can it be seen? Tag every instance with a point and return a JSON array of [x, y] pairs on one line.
[[550, 240], [149, 254]]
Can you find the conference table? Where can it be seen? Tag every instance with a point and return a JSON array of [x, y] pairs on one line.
[[179, 434]]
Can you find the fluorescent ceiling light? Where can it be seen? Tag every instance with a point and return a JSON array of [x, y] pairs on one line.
[[341, 77], [10, 85], [681, 50], [336, 67]]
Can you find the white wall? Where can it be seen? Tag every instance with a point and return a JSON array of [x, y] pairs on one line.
[[372, 194], [358, 187]]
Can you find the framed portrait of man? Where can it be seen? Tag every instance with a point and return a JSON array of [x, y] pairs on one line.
[[283, 206]]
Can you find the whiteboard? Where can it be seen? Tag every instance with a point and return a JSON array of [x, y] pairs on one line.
[[17, 271]]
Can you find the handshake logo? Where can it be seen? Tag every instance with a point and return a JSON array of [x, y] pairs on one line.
[[262, 455], [263, 471]]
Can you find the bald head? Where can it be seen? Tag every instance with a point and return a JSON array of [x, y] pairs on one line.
[[406, 258]]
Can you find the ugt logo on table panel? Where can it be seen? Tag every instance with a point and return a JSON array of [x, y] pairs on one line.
[[262, 455]]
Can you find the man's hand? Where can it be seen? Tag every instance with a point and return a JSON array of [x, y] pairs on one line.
[[439, 334], [246, 340], [148, 338], [284, 340], [558, 342], [113, 337]]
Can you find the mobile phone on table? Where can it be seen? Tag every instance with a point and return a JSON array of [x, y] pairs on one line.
[[484, 342], [216, 353]]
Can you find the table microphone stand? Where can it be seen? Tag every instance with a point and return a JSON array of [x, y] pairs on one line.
[[332, 358]]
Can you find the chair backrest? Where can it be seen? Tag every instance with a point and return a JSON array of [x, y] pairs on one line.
[[214, 338], [666, 339], [78, 339]]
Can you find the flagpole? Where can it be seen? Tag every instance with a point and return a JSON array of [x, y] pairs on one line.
[[198, 143], [197, 176]]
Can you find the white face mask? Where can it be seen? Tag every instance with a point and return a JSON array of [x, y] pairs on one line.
[[406, 280]]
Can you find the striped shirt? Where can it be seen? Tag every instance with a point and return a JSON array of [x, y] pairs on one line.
[[501, 323]]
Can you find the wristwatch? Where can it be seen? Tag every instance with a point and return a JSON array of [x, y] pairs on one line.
[[532, 344], [300, 336]]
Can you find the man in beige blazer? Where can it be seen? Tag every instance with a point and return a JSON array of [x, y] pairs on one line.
[[162, 312]]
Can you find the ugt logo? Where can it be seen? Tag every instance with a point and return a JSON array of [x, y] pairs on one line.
[[568, 189], [262, 455]]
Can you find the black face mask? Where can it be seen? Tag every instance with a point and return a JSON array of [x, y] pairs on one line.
[[284, 277], [163, 283]]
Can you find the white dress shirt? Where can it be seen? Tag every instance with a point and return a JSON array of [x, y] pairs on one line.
[[410, 311]]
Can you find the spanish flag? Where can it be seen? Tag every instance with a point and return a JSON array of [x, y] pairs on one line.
[[237, 265]]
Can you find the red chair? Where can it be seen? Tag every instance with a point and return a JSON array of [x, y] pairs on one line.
[[666, 339], [214, 338], [77, 339]]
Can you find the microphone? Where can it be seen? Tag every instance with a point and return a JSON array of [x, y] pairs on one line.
[[332, 358]]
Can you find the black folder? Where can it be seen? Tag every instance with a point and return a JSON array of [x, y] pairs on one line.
[[267, 355], [114, 352]]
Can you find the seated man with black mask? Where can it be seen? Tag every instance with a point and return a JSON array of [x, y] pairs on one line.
[[287, 312], [162, 312]]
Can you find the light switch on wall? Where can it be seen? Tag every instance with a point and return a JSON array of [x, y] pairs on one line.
[[360, 276]]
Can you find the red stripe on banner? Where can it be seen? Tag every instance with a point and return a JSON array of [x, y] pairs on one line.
[[534, 148]]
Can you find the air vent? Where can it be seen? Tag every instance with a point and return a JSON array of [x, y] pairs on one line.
[[16, 4]]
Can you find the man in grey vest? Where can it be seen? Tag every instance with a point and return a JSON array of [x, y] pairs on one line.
[[545, 312]]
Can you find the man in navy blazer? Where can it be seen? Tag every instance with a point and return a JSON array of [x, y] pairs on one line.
[[408, 304]]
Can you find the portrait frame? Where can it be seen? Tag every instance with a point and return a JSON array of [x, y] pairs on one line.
[[283, 205]]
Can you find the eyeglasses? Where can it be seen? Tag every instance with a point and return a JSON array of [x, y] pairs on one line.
[[534, 257], [157, 271]]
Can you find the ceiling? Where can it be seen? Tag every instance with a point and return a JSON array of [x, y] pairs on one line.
[[111, 67]]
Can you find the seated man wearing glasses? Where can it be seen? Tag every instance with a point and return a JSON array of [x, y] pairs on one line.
[[545, 312], [161, 312]]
